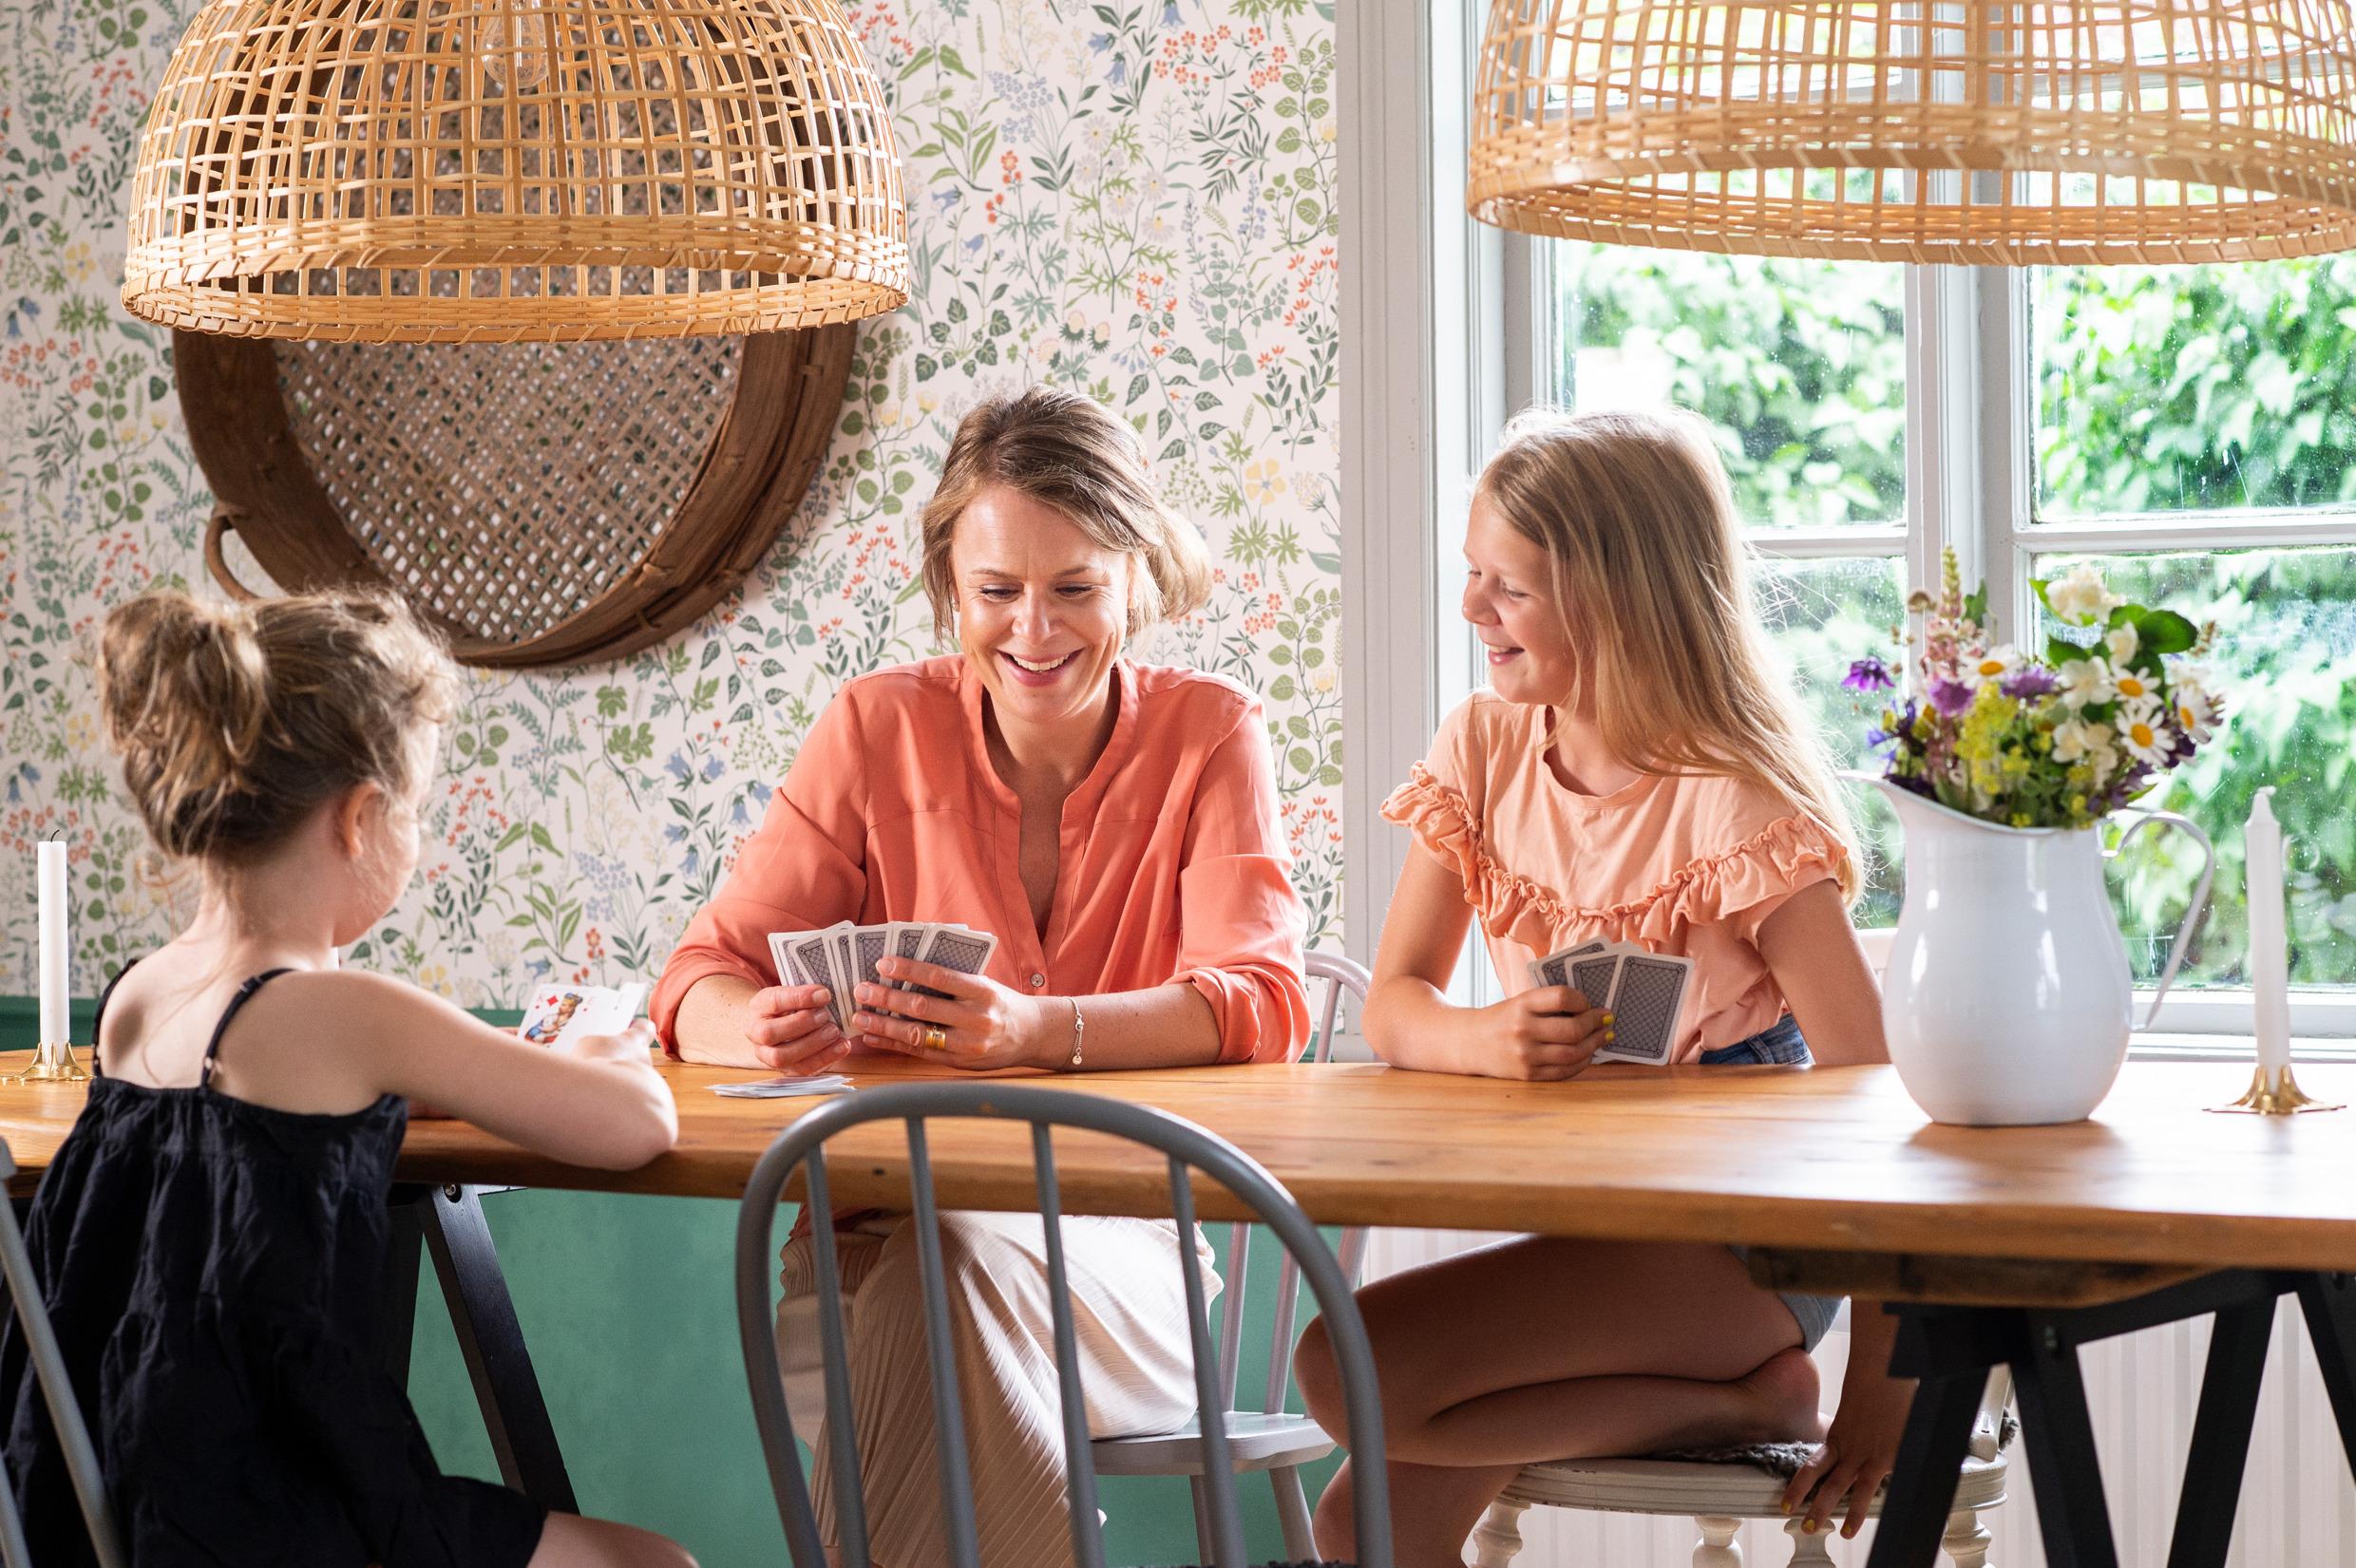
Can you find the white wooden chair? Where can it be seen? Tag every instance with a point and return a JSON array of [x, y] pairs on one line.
[[1269, 1438], [1720, 1496]]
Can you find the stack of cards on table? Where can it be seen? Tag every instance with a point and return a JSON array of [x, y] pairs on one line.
[[784, 1088], [559, 1015], [1644, 992], [843, 957]]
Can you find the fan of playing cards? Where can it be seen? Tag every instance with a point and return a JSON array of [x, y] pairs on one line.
[[1644, 992], [843, 957]]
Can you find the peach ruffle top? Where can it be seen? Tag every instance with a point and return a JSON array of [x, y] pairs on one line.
[[1690, 864]]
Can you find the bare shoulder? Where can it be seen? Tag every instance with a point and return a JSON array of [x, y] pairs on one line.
[[349, 1015]]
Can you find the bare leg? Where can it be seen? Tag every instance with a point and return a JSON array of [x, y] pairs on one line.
[[1545, 1349], [571, 1542]]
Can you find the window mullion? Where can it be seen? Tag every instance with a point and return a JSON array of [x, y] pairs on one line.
[[1946, 432]]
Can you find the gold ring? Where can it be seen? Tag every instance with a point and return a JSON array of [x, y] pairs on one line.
[[934, 1037]]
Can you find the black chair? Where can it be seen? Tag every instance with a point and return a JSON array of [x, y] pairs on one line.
[[1187, 1147], [48, 1369]]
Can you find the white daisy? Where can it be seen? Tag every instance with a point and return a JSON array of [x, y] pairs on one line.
[[2081, 597], [2084, 681], [1995, 664], [2196, 711], [2142, 730], [2130, 686]]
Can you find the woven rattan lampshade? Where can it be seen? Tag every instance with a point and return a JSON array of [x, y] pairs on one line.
[[498, 170], [2077, 131]]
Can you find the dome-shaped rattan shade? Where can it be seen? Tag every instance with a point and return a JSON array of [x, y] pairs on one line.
[[500, 170], [2066, 132]]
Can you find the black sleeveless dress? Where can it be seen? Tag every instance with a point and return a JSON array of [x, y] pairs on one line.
[[215, 1269]]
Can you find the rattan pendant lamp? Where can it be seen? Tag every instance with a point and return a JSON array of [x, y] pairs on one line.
[[509, 170], [2047, 132]]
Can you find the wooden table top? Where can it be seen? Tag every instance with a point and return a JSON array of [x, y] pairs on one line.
[[1832, 1159]]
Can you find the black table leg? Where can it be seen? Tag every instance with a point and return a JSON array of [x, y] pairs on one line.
[[2058, 1431], [2330, 1302], [2220, 1448], [522, 1438], [1930, 1454]]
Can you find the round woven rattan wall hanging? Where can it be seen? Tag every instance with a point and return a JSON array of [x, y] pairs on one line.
[[545, 503]]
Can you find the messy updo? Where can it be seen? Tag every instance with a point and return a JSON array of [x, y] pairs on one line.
[[236, 722], [1071, 455]]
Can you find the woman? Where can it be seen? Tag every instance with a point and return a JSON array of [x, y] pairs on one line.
[[1115, 826]]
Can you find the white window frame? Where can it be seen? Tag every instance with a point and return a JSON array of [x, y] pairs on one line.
[[1442, 320]]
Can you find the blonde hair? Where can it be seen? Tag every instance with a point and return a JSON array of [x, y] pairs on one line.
[[235, 722], [1638, 523], [1067, 452]]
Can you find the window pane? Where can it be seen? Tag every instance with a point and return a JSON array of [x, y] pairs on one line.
[[2183, 389], [2286, 658], [1799, 364], [1825, 613]]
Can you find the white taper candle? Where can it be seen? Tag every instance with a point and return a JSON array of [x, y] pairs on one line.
[[51, 869], [2270, 950]]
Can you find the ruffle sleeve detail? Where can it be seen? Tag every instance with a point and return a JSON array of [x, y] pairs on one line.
[[1778, 860]]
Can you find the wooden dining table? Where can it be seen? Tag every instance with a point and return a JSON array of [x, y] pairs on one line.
[[1996, 1246]]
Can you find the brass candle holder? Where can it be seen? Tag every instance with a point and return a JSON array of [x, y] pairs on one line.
[[52, 1063], [2281, 1098]]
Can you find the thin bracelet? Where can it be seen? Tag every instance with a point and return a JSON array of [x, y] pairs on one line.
[[1079, 1027]]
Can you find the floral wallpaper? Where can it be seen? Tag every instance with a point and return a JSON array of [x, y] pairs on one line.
[[1130, 199]]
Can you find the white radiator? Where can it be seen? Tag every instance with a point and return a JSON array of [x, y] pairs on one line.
[[2298, 1507]]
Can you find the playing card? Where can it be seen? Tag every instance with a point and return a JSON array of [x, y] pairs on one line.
[[960, 948], [1647, 999], [559, 1015], [807, 952], [780, 955], [842, 972], [784, 1088], [1555, 969], [870, 944]]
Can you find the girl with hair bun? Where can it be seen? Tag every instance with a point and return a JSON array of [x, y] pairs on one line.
[[212, 1235]]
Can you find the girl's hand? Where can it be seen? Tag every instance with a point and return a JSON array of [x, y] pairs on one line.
[[982, 1023], [790, 1029], [1543, 1035], [631, 1045], [1857, 1454]]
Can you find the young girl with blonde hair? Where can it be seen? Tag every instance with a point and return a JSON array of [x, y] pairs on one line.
[[1638, 771], [212, 1235]]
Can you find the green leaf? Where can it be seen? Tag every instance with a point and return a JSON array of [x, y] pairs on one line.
[[2159, 632]]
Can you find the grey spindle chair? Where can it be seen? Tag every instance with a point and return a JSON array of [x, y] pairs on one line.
[[1186, 1146], [1269, 1438], [47, 1365]]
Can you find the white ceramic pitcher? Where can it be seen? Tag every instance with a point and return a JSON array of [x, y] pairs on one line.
[[2007, 999]]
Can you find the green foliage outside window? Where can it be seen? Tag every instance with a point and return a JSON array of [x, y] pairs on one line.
[[2157, 389]]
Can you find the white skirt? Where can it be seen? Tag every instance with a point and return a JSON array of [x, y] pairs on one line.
[[1136, 1369]]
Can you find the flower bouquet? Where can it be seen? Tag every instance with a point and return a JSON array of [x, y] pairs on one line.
[[2057, 739], [2006, 999]]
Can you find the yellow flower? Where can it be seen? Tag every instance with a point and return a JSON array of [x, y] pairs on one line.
[[1263, 480]]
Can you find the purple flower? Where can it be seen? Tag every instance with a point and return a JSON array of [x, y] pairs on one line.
[[1868, 675], [1950, 697], [2030, 680]]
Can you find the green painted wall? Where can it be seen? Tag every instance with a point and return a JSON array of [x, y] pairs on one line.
[[627, 1305]]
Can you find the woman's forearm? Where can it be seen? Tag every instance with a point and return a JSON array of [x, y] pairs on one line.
[[711, 1020], [1169, 1026]]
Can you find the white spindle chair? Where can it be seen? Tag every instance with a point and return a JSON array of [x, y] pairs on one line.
[[1269, 1438], [1720, 1496]]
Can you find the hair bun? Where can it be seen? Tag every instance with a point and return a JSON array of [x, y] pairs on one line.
[[184, 689]]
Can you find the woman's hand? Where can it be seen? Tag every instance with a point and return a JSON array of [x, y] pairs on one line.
[[1543, 1035], [790, 1029], [982, 1023], [1857, 1454]]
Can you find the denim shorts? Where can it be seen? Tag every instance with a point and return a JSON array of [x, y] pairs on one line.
[[1780, 1045]]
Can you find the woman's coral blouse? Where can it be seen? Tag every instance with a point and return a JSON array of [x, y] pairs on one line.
[[1172, 863], [1687, 865]]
